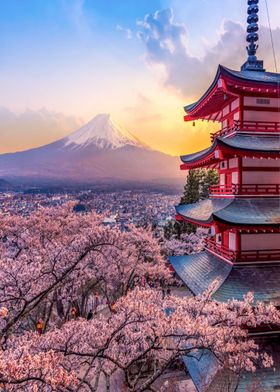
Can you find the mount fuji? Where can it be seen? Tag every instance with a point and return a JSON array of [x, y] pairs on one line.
[[100, 151]]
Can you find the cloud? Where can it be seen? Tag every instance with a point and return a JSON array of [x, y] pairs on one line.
[[128, 32], [75, 12], [166, 46], [33, 128]]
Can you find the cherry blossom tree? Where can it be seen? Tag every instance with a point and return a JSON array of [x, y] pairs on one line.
[[145, 331], [188, 243], [54, 259]]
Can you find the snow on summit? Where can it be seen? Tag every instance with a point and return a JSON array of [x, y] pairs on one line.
[[102, 132]]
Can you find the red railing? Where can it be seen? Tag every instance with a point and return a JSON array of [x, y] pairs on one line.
[[242, 256], [246, 189], [225, 131], [249, 126], [220, 249]]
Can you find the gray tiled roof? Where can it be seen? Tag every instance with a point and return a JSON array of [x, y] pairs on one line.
[[260, 143], [263, 281], [197, 155], [264, 379], [253, 142], [199, 270], [202, 367], [254, 76], [249, 211], [204, 371], [202, 211]]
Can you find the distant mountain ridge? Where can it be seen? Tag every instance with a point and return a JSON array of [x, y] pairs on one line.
[[98, 151], [5, 185]]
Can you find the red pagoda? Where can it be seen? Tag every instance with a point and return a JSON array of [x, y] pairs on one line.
[[243, 210]]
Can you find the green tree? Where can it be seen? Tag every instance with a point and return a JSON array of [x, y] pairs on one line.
[[198, 184], [197, 188], [207, 179], [191, 190]]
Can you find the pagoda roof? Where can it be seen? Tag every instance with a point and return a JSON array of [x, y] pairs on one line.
[[267, 143], [246, 143], [199, 270], [202, 211], [206, 374], [202, 366], [230, 82], [253, 76], [238, 211]]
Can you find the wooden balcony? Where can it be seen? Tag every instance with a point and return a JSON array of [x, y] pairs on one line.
[[247, 126], [246, 190], [242, 256]]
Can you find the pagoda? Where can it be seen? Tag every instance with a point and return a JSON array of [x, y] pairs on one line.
[[243, 210]]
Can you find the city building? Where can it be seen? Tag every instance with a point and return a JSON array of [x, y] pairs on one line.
[[243, 210]]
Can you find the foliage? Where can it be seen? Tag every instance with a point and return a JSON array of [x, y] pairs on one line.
[[188, 243], [196, 188], [197, 185], [178, 230], [55, 259]]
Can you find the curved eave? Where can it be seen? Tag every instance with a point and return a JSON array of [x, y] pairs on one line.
[[198, 271], [190, 108], [207, 375], [213, 97], [252, 143], [245, 212], [244, 145], [263, 281], [200, 159], [250, 212], [202, 212], [268, 79]]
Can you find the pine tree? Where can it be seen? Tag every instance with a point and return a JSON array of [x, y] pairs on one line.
[[196, 188], [191, 189], [207, 179]]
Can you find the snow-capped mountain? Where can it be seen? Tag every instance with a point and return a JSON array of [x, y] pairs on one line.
[[103, 133], [98, 151]]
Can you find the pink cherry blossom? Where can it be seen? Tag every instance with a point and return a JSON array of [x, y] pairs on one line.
[[56, 260]]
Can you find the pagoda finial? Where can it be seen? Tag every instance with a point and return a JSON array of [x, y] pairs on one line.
[[252, 64]]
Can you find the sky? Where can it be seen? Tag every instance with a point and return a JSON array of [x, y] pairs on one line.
[[65, 61]]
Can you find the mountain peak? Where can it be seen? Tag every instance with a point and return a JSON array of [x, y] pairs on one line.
[[102, 132]]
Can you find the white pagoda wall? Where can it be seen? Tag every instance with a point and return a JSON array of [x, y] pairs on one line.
[[260, 114], [256, 162], [262, 102], [252, 115], [259, 176], [264, 241]]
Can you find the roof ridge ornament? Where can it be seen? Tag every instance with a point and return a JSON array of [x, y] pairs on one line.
[[252, 63]]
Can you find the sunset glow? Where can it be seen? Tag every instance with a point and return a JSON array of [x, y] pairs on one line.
[[140, 61]]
